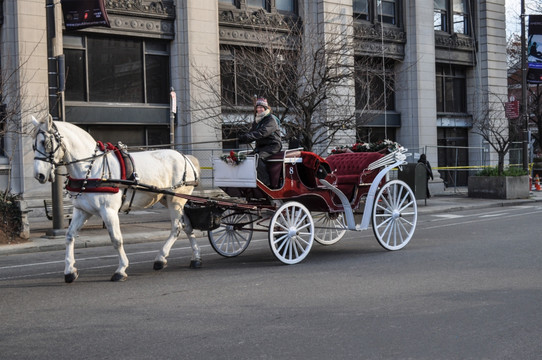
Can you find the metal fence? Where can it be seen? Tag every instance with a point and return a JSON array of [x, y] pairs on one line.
[[455, 163]]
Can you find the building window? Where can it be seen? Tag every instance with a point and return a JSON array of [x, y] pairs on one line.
[[285, 5], [382, 11], [121, 70], [451, 86], [238, 81], [230, 133], [461, 16], [374, 84], [361, 9], [387, 11], [257, 3], [375, 134], [440, 18], [245, 72]]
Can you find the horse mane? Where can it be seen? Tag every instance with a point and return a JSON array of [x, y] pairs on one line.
[[81, 134]]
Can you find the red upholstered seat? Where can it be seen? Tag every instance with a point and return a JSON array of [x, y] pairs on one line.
[[348, 169]]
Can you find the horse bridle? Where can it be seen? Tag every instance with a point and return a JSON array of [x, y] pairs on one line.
[[50, 149], [49, 154]]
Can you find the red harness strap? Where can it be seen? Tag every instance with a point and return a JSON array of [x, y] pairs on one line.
[[95, 185]]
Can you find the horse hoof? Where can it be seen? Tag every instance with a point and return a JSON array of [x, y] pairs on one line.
[[69, 278], [118, 277], [159, 265], [196, 264]]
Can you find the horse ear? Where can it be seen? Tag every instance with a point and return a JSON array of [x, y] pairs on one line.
[[35, 122], [49, 122]]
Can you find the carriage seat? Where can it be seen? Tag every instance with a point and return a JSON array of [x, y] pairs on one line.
[[307, 169], [274, 168], [349, 169]]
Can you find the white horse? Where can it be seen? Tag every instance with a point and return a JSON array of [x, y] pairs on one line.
[[60, 143]]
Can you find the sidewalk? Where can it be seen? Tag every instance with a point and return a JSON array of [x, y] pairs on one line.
[[153, 224]]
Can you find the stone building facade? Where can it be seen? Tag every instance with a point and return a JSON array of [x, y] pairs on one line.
[[442, 56]]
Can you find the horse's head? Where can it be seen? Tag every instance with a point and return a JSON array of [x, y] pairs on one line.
[[48, 149]]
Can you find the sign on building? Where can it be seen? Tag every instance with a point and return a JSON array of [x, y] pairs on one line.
[[534, 50], [80, 14]]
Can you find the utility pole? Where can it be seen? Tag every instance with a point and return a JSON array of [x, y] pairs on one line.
[[57, 187], [525, 110]]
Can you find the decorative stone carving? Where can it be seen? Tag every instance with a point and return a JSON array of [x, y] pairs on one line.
[[259, 18], [373, 39], [239, 27], [159, 8], [454, 41], [378, 32]]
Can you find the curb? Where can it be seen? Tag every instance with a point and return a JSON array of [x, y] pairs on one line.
[[39, 244]]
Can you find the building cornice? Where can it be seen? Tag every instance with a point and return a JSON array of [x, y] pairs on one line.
[[238, 27], [162, 9]]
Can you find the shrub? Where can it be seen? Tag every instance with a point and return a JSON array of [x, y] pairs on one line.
[[510, 171], [11, 223]]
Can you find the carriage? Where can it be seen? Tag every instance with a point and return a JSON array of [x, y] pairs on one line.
[[310, 199]]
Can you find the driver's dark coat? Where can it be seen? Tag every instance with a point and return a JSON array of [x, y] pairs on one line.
[[266, 133]]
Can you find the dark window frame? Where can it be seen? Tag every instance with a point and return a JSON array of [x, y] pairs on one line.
[[372, 12], [376, 68], [266, 5], [454, 16], [451, 89], [150, 49]]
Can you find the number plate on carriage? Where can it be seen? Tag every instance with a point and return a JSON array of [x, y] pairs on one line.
[[240, 175]]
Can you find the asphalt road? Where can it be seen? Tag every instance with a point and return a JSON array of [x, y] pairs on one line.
[[468, 286]]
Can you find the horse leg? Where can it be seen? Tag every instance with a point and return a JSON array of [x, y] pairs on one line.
[[195, 261], [175, 207], [111, 220], [80, 217], [160, 261]]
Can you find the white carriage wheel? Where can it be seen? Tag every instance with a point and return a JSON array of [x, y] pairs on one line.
[[233, 235], [395, 214], [329, 227], [291, 233]]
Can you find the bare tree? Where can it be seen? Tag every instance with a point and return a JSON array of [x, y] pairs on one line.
[[491, 124], [308, 78], [15, 104]]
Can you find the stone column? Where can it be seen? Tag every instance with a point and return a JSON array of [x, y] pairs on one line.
[[195, 54], [329, 23], [488, 81], [415, 87], [23, 48]]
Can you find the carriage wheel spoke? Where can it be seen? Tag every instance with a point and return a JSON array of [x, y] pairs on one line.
[[395, 222]]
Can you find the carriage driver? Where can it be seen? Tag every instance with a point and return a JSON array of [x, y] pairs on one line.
[[266, 132]]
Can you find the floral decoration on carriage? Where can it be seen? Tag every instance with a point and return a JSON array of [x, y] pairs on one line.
[[382, 146], [233, 158]]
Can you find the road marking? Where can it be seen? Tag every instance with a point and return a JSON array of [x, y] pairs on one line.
[[449, 216], [493, 215]]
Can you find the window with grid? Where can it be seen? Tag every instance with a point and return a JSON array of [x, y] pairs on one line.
[[451, 86], [440, 17], [137, 70], [245, 72], [361, 9], [461, 17], [374, 85], [387, 11]]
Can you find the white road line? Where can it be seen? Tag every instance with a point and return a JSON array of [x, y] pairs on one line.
[[493, 215], [449, 216]]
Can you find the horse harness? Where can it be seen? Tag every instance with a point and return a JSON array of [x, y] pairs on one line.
[[129, 176]]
